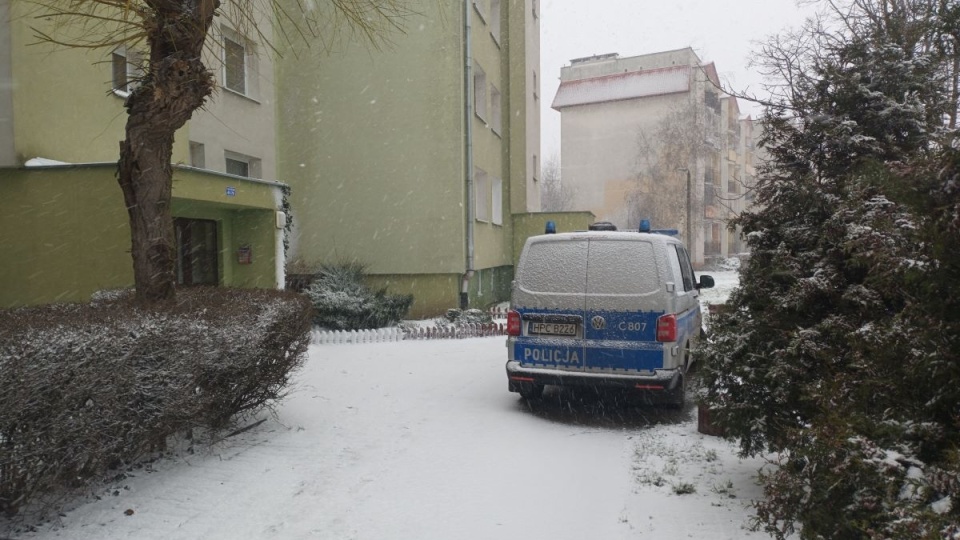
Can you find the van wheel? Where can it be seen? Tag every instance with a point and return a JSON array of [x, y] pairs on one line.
[[531, 391]]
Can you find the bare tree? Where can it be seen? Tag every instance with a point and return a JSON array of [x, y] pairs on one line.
[[176, 83], [660, 190], [554, 196]]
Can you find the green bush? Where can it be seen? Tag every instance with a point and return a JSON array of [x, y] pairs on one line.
[[88, 387], [342, 301]]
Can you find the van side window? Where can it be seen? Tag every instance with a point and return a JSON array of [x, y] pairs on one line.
[[686, 268]]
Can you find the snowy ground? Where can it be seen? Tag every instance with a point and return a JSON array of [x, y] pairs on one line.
[[421, 440]]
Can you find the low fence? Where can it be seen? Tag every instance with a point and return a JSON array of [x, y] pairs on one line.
[[384, 335]]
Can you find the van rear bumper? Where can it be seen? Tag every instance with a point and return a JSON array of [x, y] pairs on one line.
[[661, 380]]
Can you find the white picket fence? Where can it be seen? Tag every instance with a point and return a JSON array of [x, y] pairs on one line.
[[384, 335]]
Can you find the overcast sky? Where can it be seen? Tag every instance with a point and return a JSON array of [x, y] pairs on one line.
[[721, 31]]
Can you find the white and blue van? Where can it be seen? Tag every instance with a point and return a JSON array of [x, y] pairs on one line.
[[604, 308]]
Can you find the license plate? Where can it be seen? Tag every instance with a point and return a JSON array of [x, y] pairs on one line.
[[553, 329]]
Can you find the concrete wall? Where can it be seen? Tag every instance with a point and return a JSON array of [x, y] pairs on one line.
[[244, 124], [64, 233], [600, 151], [63, 105], [602, 65], [523, 66], [532, 224], [491, 150], [372, 146], [602, 155]]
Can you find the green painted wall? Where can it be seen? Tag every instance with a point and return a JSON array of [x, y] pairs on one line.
[[197, 185], [534, 223], [433, 294], [63, 108], [65, 232], [372, 147]]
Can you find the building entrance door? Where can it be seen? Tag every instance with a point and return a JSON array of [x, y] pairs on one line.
[[197, 251]]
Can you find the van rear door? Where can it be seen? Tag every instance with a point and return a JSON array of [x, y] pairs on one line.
[[624, 297], [549, 296]]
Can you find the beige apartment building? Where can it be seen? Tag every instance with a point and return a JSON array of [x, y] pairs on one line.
[[653, 137]]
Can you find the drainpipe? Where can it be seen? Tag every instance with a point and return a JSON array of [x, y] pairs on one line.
[[468, 149]]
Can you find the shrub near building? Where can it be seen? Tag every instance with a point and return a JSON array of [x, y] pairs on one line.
[[342, 301], [87, 387]]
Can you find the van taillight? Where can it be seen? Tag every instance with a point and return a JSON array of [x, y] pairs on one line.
[[667, 328], [513, 323]]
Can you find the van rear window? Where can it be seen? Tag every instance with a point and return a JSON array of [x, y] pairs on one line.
[[554, 267], [615, 267], [622, 267]]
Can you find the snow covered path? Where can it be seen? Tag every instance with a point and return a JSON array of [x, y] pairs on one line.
[[421, 440]]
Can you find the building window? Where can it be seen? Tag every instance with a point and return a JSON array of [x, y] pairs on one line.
[[495, 20], [481, 193], [536, 171], [497, 201], [237, 167], [480, 92], [198, 157], [239, 64], [242, 165], [536, 87], [496, 121], [733, 183], [536, 12], [126, 70]]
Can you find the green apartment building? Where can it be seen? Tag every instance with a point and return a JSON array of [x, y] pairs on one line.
[[415, 160], [63, 226], [419, 160]]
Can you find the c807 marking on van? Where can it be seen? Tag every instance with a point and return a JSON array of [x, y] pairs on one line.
[[552, 328], [632, 326]]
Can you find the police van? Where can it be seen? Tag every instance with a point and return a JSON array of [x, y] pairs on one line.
[[604, 308]]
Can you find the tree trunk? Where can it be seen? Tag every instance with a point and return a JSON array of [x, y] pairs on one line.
[[176, 84]]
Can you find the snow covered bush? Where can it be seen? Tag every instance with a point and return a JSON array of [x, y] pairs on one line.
[[86, 388], [840, 350], [342, 301], [460, 317]]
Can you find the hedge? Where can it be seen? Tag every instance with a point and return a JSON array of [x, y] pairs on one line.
[[87, 388]]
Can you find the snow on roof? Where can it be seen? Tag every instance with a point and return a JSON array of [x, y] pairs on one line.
[[631, 85]]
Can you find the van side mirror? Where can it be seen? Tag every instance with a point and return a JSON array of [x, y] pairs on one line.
[[706, 282]]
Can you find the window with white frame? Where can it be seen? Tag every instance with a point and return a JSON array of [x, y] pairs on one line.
[[481, 193], [495, 111], [242, 165], [239, 64], [497, 201], [480, 92], [495, 20], [127, 70]]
